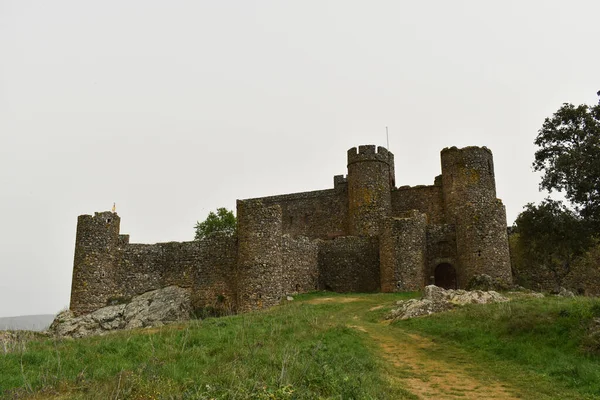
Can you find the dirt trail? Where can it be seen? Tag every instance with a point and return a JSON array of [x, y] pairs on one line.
[[429, 378], [412, 363]]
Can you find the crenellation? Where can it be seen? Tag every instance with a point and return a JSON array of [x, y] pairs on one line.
[[363, 235]]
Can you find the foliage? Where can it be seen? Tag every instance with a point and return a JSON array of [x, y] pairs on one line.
[[585, 277], [223, 222], [546, 238], [569, 157]]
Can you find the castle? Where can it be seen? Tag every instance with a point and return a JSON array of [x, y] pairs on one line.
[[364, 235]]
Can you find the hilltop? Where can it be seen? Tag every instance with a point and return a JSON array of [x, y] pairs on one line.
[[327, 345]]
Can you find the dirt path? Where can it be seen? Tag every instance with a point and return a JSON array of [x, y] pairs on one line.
[[412, 363], [430, 378]]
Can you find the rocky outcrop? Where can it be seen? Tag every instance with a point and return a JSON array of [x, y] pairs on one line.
[[155, 308], [436, 299]]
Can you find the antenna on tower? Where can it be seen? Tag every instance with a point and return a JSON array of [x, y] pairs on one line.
[[387, 138]]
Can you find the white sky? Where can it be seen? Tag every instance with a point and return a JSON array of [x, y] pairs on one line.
[[174, 108]]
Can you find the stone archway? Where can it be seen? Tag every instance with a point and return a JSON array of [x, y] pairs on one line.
[[445, 276]]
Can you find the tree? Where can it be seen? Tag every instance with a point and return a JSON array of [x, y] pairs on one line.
[[222, 222], [569, 157], [546, 239]]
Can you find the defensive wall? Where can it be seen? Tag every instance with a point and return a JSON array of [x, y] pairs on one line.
[[363, 235]]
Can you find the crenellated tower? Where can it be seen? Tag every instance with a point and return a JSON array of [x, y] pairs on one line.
[[469, 191], [370, 179]]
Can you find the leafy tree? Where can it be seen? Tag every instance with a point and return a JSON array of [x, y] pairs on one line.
[[569, 157], [222, 222], [546, 239]]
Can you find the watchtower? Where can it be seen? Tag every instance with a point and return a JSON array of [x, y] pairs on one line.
[[370, 178], [469, 190], [96, 255]]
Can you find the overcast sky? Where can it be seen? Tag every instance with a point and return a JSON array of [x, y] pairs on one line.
[[174, 108]]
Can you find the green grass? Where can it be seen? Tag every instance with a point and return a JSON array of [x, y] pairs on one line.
[[293, 351], [540, 344], [540, 348]]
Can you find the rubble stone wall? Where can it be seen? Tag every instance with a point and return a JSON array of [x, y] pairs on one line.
[[349, 264]]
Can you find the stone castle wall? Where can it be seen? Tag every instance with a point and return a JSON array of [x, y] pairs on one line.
[[363, 235], [403, 252], [109, 270], [349, 264], [425, 199]]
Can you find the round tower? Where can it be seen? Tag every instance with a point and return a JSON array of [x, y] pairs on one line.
[[259, 267], [469, 190], [370, 178], [95, 260]]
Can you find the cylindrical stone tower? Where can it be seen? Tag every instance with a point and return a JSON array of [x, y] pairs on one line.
[[96, 246], [469, 190], [370, 176], [259, 267]]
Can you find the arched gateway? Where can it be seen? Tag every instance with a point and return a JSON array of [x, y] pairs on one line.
[[445, 276]]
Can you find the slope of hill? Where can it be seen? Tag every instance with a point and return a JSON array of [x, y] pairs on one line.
[[26, 322], [327, 346]]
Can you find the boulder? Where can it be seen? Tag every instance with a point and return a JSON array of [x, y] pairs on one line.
[[416, 308], [436, 299], [155, 308], [565, 293], [462, 297]]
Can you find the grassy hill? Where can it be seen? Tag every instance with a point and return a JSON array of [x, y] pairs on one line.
[[323, 346]]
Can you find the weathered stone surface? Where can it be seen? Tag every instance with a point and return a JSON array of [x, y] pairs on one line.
[[363, 235], [154, 308], [416, 308], [565, 293], [436, 299]]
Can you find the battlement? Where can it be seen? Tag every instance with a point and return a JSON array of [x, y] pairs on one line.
[[339, 181], [369, 153], [466, 149]]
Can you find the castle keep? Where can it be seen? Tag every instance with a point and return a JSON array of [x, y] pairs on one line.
[[363, 235]]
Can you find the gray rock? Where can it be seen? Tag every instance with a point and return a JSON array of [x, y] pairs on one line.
[[436, 299], [155, 308], [565, 293], [434, 293], [416, 308]]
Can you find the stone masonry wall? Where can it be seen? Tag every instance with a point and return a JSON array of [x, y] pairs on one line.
[[441, 248], [207, 266], [96, 254], [259, 265], [480, 220], [426, 199], [331, 239], [482, 243], [318, 214], [349, 264], [300, 264], [369, 185], [402, 253]]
